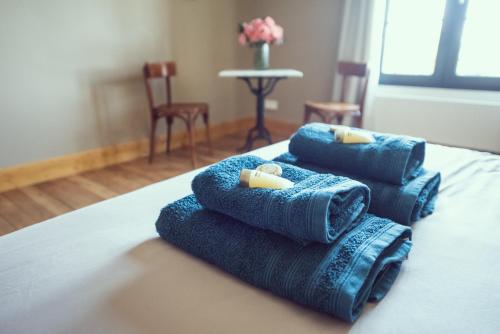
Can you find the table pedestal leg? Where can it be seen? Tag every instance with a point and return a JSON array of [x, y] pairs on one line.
[[259, 131]]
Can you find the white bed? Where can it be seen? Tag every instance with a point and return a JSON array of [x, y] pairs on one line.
[[103, 269]]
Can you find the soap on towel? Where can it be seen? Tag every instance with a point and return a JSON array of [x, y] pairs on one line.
[[336, 278], [403, 204], [319, 207], [391, 158]]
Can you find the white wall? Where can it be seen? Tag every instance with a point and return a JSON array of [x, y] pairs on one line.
[[452, 117], [70, 71]]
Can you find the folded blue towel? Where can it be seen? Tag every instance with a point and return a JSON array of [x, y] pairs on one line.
[[391, 158], [403, 204], [337, 278], [319, 207]]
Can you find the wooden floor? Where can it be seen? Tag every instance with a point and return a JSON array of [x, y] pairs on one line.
[[32, 204]]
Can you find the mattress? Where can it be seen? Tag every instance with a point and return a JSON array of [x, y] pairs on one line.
[[103, 269]]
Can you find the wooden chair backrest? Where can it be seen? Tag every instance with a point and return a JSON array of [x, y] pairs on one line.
[[158, 70], [359, 70]]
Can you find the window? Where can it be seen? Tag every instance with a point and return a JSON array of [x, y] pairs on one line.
[[442, 43]]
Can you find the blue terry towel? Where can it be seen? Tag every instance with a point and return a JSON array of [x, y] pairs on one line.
[[403, 204], [319, 207], [337, 278], [391, 158]]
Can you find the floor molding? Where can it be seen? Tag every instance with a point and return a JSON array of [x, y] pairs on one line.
[[24, 206], [41, 171]]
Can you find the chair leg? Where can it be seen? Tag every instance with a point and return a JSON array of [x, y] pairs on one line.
[[339, 118], [327, 119], [307, 115], [324, 118], [190, 128], [169, 121], [207, 131], [152, 140], [358, 121]]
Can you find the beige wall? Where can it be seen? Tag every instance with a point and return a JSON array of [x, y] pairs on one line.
[[204, 44], [312, 30], [70, 71]]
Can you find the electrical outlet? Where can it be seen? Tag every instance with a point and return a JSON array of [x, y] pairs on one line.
[[271, 104]]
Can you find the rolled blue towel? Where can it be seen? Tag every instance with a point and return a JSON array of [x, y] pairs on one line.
[[319, 207], [403, 204], [391, 158], [336, 278]]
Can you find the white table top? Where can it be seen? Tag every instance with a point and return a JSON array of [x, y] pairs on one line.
[[270, 73]]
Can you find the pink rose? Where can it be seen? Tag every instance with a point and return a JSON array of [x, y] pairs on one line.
[[256, 25], [254, 36], [257, 21], [270, 21], [242, 39], [247, 29], [277, 32], [260, 31], [265, 34]]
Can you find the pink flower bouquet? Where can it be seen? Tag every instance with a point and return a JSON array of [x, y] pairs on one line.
[[259, 31]]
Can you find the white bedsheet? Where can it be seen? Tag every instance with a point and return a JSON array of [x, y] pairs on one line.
[[103, 269]]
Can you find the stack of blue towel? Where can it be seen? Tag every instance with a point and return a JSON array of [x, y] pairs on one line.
[[401, 189], [312, 243]]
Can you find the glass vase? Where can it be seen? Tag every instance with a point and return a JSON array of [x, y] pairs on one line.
[[261, 56]]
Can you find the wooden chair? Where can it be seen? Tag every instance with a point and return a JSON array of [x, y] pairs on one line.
[[328, 111], [188, 112]]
